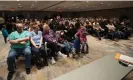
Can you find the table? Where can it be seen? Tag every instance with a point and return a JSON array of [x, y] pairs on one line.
[[105, 68]]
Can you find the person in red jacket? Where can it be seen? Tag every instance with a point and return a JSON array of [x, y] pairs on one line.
[[81, 34]]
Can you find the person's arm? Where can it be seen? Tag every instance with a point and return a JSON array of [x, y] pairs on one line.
[[19, 40], [24, 39], [46, 38], [41, 41], [94, 27], [76, 35], [100, 27], [14, 41], [33, 43]]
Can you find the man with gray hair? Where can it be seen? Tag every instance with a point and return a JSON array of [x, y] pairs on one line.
[[20, 45]]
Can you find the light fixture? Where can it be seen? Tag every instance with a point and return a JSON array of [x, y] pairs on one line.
[[101, 3], [30, 7], [17, 0], [87, 1], [108, 4]]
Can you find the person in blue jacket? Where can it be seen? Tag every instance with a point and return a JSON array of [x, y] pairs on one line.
[[4, 33]]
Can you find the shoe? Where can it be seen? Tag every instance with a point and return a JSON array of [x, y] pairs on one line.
[[46, 64], [100, 38], [10, 75], [38, 66], [56, 58], [53, 61], [80, 55], [70, 55], [62, 55], [28, 70]]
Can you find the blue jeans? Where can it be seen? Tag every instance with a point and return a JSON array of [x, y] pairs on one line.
[[19, 51], [68, 46], [77, 45]]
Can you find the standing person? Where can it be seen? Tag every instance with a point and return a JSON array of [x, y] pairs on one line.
[[4, 33], [20, 45], [81, 34], [9, 27], [77, 25]]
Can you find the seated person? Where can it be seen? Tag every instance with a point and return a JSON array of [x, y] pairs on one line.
[[89, 27], [103, 24], [97, 30], [51, 42], [68, 46], [36, 47], [69, 34], [126, 30], [19, 41], [111, 31]]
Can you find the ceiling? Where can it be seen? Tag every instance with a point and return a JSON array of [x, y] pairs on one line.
[[62, 5]]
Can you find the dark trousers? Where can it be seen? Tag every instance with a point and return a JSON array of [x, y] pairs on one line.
[[90, 30], [112, 35], [77, 45], [5, 39], [39, 53], [54, 49], [126, 34]]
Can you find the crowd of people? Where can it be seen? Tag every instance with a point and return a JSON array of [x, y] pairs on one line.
[[65, 37]]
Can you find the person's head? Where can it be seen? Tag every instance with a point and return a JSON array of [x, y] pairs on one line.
[[46, 28], [71, 26], [4, 26], [35, 28], [66, 23], [110, 23], [87, 22], [19, 27]]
